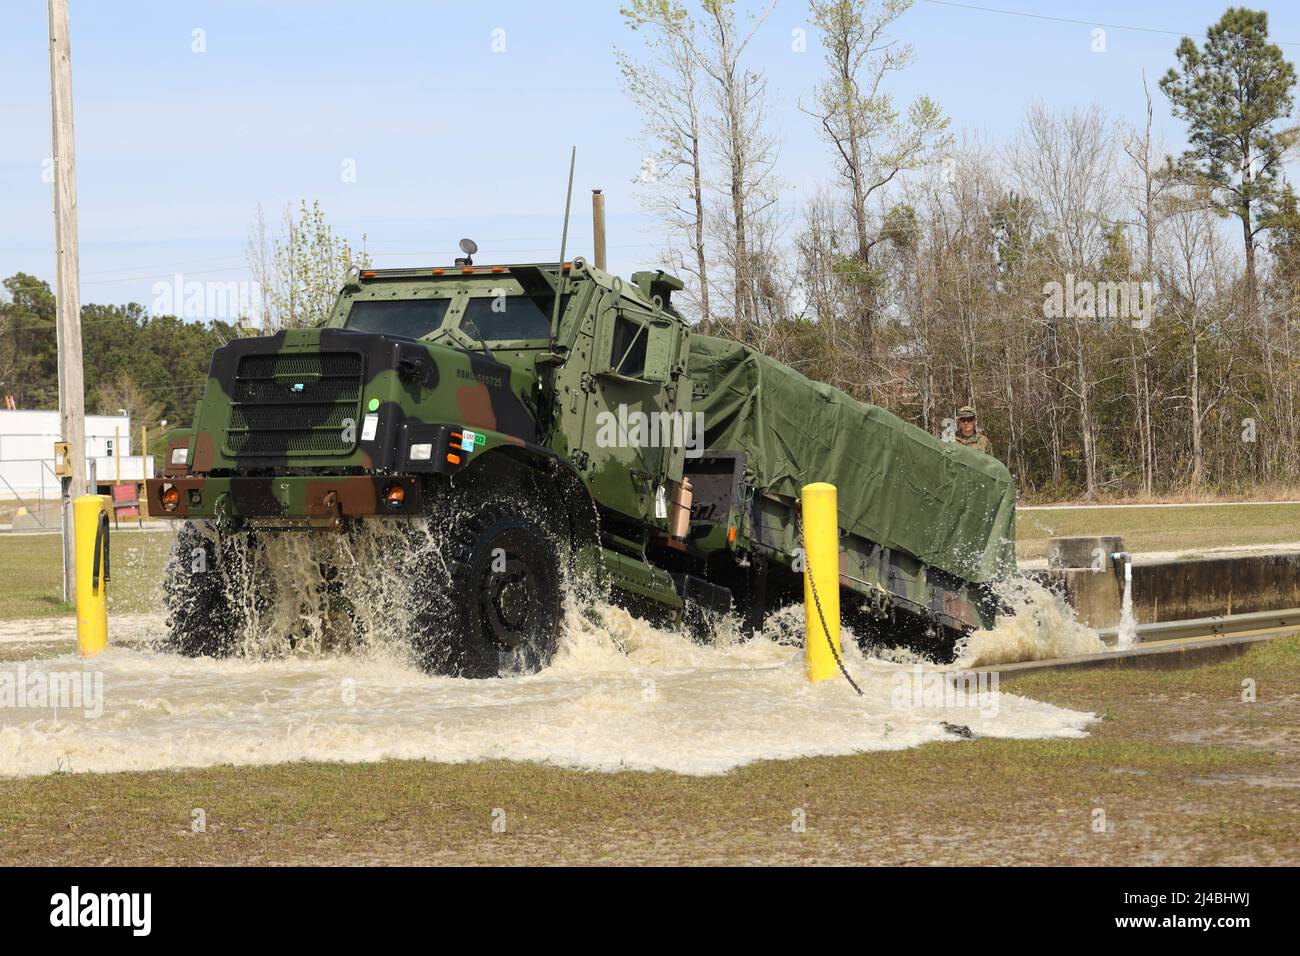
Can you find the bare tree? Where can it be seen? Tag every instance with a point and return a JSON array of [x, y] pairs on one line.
[[1066, 160], [1153, 177], [1191, 260], [668, 92], [746, 151], [301, 269], [872, 142]]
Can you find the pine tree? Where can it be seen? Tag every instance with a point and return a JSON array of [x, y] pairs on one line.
[[1232, 93]]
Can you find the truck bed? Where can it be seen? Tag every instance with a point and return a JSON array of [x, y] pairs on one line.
[[948, 506]]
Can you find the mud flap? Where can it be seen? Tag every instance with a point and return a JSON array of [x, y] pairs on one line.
[[701, 599]]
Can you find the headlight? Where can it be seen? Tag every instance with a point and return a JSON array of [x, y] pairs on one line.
[[421, 452], [180, 455]]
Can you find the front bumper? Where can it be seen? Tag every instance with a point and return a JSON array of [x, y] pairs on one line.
[[292, 502]]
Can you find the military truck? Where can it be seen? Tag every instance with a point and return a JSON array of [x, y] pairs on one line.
[[555, 423]]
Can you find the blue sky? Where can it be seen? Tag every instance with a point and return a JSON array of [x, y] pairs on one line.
[[176, 149]]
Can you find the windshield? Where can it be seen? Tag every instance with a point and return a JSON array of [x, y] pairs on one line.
[[506, 318], [411, 318]]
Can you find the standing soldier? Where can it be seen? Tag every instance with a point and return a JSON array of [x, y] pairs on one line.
[[968, 432]]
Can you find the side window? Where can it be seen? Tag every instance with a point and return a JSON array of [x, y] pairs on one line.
[[627, 356]]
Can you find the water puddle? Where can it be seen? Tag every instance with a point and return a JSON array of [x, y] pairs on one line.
[[621, 694]]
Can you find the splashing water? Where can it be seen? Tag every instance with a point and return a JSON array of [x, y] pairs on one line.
[[344, 591], [1042, 626], [1127, 631], [620, 695]]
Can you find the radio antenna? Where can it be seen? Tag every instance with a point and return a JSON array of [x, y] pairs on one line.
[[564, 240]]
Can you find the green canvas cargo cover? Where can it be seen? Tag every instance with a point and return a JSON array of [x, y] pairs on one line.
[[950, 506]]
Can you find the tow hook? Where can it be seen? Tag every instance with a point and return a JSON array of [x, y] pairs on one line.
[[327, 515]]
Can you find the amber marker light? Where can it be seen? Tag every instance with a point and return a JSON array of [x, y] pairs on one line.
[[170, 496]]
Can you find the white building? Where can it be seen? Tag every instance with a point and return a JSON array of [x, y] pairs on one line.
[[27, 452]]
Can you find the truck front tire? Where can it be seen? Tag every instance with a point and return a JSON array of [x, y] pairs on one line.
[[502, 608]]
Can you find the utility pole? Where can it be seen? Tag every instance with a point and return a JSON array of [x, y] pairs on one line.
[[67, 277]]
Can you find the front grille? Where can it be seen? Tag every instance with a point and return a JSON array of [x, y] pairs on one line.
[[295, 405]]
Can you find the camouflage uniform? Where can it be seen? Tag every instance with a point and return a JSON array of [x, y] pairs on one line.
[[979, 441]]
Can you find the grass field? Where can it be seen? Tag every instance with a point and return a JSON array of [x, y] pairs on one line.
[[31, 573], [1183, 770], [1163, 528]]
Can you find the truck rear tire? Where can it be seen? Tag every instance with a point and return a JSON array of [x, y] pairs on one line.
[[501, 608]]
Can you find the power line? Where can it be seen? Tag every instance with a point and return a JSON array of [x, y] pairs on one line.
[[1086, 23], [168, 265], [167, 275], [180, 387], [431, 256], [175, 386]]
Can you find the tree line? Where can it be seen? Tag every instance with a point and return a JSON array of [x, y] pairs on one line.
[[151, 366], [153, 362], [1078, 284]]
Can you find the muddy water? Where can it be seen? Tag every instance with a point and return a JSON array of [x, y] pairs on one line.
[[620, 695]]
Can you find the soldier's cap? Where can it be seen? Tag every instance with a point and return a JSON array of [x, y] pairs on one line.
[[966, 411]]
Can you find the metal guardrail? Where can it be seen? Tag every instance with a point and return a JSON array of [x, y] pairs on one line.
[[1222, 624]]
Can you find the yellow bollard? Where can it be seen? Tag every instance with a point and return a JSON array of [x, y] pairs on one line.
[[90, 531], [821, 580]]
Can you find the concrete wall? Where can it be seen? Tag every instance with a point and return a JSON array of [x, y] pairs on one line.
[[1094, 595], [1178, 590], [1175, 590]]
